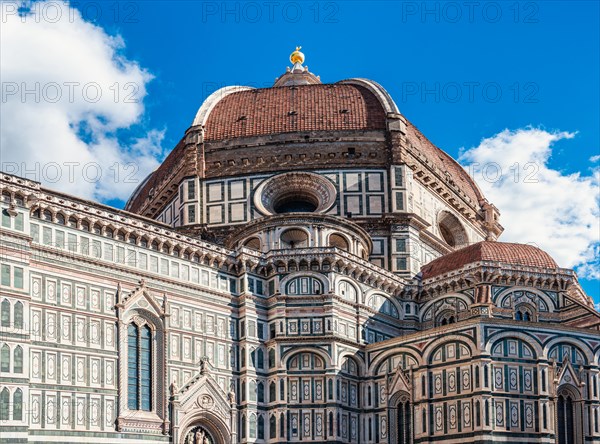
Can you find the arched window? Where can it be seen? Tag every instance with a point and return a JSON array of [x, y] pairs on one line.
[[260, 359], [272, 392], [404, 419], [4, 403], [271, 357], [18, 359], [243, 426], [252, 428], [18, 405], [524, 312], [566, 418], [304, 285], [5, 358], [272, 427], [260, 391], [281, 425], [261, 427], [252, 387], [18, 312], [5, 313], [139, 368], [446, 317]]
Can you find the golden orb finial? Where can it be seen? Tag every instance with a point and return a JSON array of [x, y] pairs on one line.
[[297, 56]]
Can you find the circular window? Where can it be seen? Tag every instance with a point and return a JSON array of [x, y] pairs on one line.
[[295, 203], [295, 193]]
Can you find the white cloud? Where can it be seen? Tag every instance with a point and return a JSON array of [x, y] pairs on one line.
[[595, 158], [558, 212], [66, 92]]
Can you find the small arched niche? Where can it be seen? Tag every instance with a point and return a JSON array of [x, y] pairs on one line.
[[451, 230], [253, 243], [294, 238], [338, 241]]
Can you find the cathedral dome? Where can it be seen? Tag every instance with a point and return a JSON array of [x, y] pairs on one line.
[[501, 252], [267, 111], [302, 124]]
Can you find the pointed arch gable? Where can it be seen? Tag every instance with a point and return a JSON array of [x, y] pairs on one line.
[[140, 308], [201, 401]]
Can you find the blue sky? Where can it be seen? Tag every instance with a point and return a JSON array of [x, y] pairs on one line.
[[461, 75]]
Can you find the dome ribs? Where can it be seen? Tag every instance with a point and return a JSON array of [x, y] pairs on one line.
[[293, 109]]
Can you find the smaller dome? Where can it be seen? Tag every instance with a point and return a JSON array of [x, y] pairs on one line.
[[503, 252]]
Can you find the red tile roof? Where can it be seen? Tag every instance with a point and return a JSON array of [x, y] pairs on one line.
[[508, 253], [320, 107], [331, 107], [444, 162]]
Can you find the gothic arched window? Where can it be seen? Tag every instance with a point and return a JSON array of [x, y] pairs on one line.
[[404, 422], [252, 428], [139, 368], [261, 427], [4, 403], [18, 405], [271, 357], [18, 312], [5, 358], [260, 391], [243, 426], [524, 312], [18, 359], [260, 359], [272, 427], [5, 313], [569, 415], [447, 317], [252, 387]]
